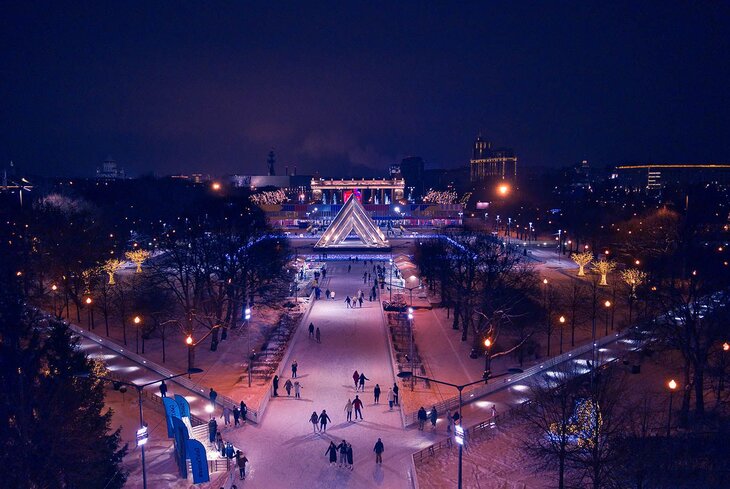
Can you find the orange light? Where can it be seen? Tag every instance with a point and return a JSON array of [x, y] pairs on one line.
[[18, 273], [88, 300], [562, 319], [216, 186], [672, 384], [189, 340], [726, 346], [54, 288], [503, 189], [545, 281], [137, 320], [488, 343], [607, 303], [637, 262]]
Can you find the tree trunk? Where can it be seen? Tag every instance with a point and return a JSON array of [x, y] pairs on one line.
[[214, 340], [457, 309], [699, 384], [124, 329]]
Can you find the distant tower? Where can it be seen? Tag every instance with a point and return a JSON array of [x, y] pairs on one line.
[[271, 160]]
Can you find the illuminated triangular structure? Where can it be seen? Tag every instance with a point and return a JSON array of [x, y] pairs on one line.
[[352, 217]]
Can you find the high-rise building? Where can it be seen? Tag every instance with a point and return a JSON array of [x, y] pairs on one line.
[[492, 164]]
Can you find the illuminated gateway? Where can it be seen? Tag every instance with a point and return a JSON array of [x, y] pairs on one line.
[[352, 219]]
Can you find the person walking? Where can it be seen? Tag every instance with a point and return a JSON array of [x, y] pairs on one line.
[[288, 385], [391, 398], [362, 380], [349, 267], [349, 456], [494, 410], [395, 394], [311, 325], [212, 430], [318, 336], [332, 452], [244, 411], [213, 396], [365, 277], [323, 420], [297, 390], [236, 416], [314, 419], [276, 385], [347, 301], [294, 367], [376, 393], [433, 415], [327, 293], [348, 410], [359, 299], [356, 378], [422, 416], [342, 448], [241, 461], [226, 415], [163, 389], [332, 295], [379, 449], [357, 404]]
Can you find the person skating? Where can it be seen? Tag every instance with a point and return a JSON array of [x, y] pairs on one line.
[[163, 389], [348, 410], [297, 390], [347, 301], [362, 380], [213, 395], [323, 420], [241, 463], [332, 452], [314, 419], [349, 267], [356, 378], [276, 385], [433, 415], [494, 410], [349, 456], [360, 301], [226, 415], [395, 394], [236, 416], [294, 367], [288, 385], [318, 336], [311, 325], [342, 448], [244, 411], [379, 449], [422, 416], [327, 294], [365, 277], [332, 295], [391, 398], [376, 393], [357, 404]]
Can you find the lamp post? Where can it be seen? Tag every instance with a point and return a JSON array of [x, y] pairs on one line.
[[672, 387], [390, 285], [247, 317], [546, 307], [607, 304], [459, 430], [562, 323], [54, 288], [137, 321], [191, 344], [142, 426], [88, 302], [410, 335], [721, 383], [487, 359]]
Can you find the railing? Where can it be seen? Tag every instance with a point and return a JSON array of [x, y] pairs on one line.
[[251, 415], [480, 391]]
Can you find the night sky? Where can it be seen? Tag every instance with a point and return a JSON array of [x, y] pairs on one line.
[[348, 88]]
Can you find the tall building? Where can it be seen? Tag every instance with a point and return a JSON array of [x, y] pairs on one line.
[[492, 164], [109, 170]]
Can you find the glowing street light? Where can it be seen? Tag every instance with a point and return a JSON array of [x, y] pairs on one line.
[[137, 321], [503, 189], [562, 323], [216, 186], [672, 384], [88, 301], [488, 359]]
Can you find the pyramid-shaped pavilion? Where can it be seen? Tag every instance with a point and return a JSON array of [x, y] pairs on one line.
[[352, 218]]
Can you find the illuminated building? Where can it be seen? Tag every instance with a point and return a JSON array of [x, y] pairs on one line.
[[492, 164], [656, 176]]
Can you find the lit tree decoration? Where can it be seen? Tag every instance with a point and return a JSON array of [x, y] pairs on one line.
[[584, 426], [137, 257], [269, 198], [86, 279], [110, 267], [604, 267], [582, 259], [438, 197], [634, 278]]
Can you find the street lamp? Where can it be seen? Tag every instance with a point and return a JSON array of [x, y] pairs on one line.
[[459, 432], [672, 387], [54, 288], [209, 409], [90, 310], [191, 345], [410, 334], [562, 323], [487, 359], [607, 304], [137, 321], [247, 317]]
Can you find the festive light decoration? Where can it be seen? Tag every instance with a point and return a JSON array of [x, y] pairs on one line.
[[111, 267], [273, 197], [583, 427], [634, 278], [604, 267], [138, 257], [582, 259], [438, 197]]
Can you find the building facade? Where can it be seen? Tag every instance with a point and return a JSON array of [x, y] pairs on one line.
[[656, 176], [487, 163]]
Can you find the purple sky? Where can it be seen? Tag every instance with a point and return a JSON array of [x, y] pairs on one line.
[[347, 88]]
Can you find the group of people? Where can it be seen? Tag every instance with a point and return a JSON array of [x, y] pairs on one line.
[[317, 335], [288, 386], [344, 450], [432, 415], [356, 298]]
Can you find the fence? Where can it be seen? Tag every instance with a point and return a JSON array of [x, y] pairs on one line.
[[483, 390]]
